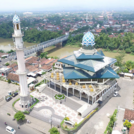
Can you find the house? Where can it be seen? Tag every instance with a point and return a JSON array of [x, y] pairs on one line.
[[129, 114], [131, 130], [98, 30], [13, 77]]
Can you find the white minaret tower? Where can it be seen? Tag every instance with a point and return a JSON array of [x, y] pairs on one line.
[[25, 99]]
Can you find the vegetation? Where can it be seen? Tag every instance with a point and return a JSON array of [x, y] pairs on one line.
[[35, 103], [1, 51], [76, 125], [6, 30], [111, 123], [40, 36], [9, 81], [11, 51], [44, 55], [39, 83], [54, 130], [7, 64], [124, 66], [19, 116], [59, 96], [127, 124], [81, 30]]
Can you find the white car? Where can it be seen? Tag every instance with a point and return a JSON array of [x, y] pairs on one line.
[[10, 130], [115, 93]]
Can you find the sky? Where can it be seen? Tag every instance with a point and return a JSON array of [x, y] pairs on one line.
[[51, 5]]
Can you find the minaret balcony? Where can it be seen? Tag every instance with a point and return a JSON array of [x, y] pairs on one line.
[[21, 72], [18, 34]]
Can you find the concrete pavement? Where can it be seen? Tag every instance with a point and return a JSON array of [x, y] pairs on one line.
[[98, 123]]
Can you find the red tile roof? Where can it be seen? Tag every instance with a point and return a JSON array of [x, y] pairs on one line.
[[13, 77], [131, 130], [46, 67], [129, 114]]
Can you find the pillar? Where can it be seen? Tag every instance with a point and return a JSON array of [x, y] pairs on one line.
[[88, 99], [73, 91], [92, 100], [80, 95], [49, 83], [60, 89], [67, 91], [55, 86]]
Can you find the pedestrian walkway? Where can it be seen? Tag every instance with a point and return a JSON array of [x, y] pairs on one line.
[[39, 125]]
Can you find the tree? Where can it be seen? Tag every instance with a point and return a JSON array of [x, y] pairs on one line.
[[9, 81], [127, 124], [128, 50], [54, 130], [7, 64], [119, 59], [19, 116]]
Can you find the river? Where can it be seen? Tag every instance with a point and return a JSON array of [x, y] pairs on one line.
[[7, 44]]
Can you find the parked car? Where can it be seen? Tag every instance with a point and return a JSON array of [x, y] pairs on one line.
[[14, 94], [115, 93], [8, 98], [10, 130]]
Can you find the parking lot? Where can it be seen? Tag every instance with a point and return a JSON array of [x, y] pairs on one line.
[[98, 123], [4, 88]]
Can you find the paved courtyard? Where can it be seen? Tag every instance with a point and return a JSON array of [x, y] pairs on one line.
[[98, 123], [49, 106]]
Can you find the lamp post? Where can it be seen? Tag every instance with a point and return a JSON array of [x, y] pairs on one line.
[[50, 120]]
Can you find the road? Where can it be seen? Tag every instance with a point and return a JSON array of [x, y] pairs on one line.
[[98, 123], [24, 129]]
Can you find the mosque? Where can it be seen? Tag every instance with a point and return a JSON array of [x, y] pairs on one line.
[[87, 73]]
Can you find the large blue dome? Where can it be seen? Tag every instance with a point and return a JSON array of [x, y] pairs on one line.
[[16, 19], [88, 39]]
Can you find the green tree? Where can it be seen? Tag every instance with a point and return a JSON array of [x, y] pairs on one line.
[[9, 81], [128, 50], [54, 130], [7, 64], [127, 124], [19, 116], [119, 59]]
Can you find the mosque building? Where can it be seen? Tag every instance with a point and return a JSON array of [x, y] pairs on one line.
[[87, 73]]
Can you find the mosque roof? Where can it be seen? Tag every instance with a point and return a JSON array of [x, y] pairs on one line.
[[89, 64], [82, 56], [88, 39], [71, 73], [16, 19]]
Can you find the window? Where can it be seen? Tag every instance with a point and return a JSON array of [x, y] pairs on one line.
[[17, 26], [100, 80]]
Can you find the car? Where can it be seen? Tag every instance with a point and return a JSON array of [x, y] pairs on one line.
[[115, 93], [10, 130], [14, 94], [8, 98]]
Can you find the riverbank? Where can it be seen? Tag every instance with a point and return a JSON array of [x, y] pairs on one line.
[[68, 50], [7, 44]]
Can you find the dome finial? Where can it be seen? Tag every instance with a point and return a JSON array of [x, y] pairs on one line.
[[16, 19], [88, 39]]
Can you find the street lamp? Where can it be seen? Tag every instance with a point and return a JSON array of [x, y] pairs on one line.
[[50, 120]]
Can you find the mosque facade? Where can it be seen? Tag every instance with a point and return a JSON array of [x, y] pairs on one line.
[[87, 73]]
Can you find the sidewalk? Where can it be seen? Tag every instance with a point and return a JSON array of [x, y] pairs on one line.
[[39, 125]]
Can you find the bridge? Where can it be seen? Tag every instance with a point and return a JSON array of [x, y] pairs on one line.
[[35, 48]]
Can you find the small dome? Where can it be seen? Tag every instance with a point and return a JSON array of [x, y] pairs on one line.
[[16, 19], [88, 39]]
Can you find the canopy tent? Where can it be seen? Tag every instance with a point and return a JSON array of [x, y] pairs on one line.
[[30, 80], [31, 74], [41, 87], [84, 110]]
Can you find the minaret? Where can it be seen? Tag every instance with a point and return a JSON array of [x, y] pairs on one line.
[[25, 99]]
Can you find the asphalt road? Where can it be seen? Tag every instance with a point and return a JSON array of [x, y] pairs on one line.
[[24, 129]]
